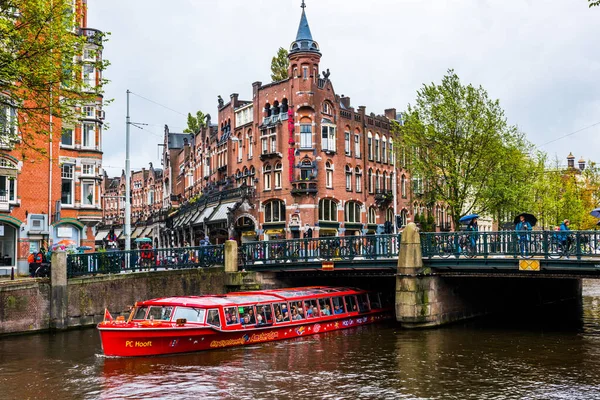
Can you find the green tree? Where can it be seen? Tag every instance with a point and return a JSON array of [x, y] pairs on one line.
[[279, 65], [41, 66], [594, 3], [459, 142], [194, 124]]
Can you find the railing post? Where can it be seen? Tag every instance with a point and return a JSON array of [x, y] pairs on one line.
[[578, 245], [485, 245]]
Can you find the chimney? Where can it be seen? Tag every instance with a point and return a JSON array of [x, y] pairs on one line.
[[255, 87], [570, 161], [345, 101], [581, 163], [390, 114], [234, 99]]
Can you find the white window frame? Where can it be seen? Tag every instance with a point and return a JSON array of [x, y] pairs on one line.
[[67, 128], [328, 137], [91, 139], [358, 176], [331, 207], [348, 178], [278, 169], [84, 196], [306, 137], [329, 175], [347, 143], [91, 169], [70, 175], [357, 145]]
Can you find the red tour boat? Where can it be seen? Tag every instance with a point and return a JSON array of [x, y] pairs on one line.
[[192, 323]]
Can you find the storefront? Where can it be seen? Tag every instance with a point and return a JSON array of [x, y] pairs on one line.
[[8, 244]]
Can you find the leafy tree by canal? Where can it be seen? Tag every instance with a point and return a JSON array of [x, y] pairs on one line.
[[42, 62], [458, 141], [279, 65]]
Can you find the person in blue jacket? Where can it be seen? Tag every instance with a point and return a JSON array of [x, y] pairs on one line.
[[474, 235], [522, 228], [564, 236]]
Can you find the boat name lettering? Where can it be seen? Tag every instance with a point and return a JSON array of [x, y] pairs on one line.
[[131, 343]]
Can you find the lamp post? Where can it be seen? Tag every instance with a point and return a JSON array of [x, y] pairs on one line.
[[127, 226]]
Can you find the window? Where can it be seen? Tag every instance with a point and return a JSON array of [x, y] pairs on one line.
[[8, 120], [8, 181], [372, 216], [417, 185], [306, 170], [403, 217], [384, 149], [239, 148], [328, 175], [384, 181], [88, 135], [351, 303], [328, 142], [305, 72], [370, 146], [338, 305], [328, 210], [151, 197], [88, 195], [348, 178], [89, 75], [357, 145], [274, 211], [391, 159], [250, 146], [326, 108], [265, 145], [267, 177], [160, 313], [231, 315], [403, 186], [347, 144], [377, 182], [278, 176], [89, 112], [389, 215], [87, 169], [358, 176], [66, 137], [306, 136], [352, 212], [213, 317], [370, 180], [187, 313], [66, 196], [282, 313], [377, 154]]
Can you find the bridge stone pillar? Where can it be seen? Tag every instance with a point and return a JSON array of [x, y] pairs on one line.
[[231, 256], [59, 299]]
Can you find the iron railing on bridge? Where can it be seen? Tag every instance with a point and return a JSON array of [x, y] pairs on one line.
[[527, 244], [338, 248], [115, 262]]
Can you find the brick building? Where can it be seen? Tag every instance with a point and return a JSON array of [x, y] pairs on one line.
[[46, 198]]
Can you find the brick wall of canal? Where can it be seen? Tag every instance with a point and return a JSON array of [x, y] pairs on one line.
[[26, 305]]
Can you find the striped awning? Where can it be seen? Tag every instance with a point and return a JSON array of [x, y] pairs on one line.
[[206, 213], [101, 235], [147, 232], [221, 213], [136, 233]]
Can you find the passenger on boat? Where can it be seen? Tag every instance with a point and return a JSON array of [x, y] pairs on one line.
[[278, 315], [233, 319], [326, 310], [309, 312], [295, 315], [251, 316], [338, 310], [246, 320], [259, 318]]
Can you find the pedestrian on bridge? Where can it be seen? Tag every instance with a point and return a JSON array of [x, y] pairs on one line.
[[474, 235], [564, 236], [522, 228]]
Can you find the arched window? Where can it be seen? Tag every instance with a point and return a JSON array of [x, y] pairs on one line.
[[391, 159], [267, 176], [306, 133], [358, 177], [385, 181], [352, 212], [377, 154], [306, 170], [403, 217], [250, 145], [370, 180], [389, 215], [329, 174], [372, 216], [370, 146], [327, 109], [239, 147], [278, 169], [276, 108], [403, 186], [284, 106], [274, 211], [348, 178], [357, 143], [347, 142], [328, 136], [383, 149], [267, 109], [328, 210], [377, 182]]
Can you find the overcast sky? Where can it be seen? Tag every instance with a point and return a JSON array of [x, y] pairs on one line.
[[540, 58]]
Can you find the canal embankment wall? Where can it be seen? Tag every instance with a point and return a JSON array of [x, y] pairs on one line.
[[42, 304]]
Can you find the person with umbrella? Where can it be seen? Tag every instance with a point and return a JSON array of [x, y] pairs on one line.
[[564, 236], [522, 227], [471, 221]]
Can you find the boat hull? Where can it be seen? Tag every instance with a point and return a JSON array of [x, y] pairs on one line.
[[123, 341]]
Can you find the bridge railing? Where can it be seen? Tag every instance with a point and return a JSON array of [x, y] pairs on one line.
[[544, 244], [339, 248], [115, 262]]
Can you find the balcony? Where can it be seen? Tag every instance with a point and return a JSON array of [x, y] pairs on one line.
[[304, 187], [383, 196], [270, 154], [93, 36]]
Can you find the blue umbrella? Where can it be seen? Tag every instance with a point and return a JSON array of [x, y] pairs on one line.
[[143, 240], [468, 218], [595, 213]]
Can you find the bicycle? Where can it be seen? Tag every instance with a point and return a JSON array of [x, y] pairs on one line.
[[466, 248]]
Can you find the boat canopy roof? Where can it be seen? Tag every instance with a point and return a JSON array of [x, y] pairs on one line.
[[241, 298]]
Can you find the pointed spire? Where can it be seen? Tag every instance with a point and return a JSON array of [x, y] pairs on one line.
[[303, 29]]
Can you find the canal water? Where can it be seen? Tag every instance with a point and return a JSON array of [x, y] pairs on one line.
[[551, 354]]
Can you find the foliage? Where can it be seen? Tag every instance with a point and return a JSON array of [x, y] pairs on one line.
[[41, 65], [195, 124], [459, 142], [279, 65], [594, 3]]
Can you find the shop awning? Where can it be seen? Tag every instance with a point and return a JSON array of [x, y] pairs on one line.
[[147, 232], [101, 235], [136, 233], [274, 231], [327, 231], [206, 213], [221, 213], [188, 218]]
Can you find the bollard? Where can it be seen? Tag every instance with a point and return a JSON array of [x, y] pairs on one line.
[[12, 274]]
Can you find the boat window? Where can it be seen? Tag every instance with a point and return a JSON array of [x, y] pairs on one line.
[[282, 312], [311, 309], [213, 317], [231, 316], [297, 310], [338, 305], [160, 313], [350, 303], [264, 314], [140, 313], [325, 306], [374, 300], [363, 303], [247, 316], [190, 314]]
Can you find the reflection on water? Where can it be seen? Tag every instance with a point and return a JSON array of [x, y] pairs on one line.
[[548, 355]]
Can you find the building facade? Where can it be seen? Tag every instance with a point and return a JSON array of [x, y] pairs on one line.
[[54, 195]]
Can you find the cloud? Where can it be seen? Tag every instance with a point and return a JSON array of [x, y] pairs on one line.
[[539, 58]]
